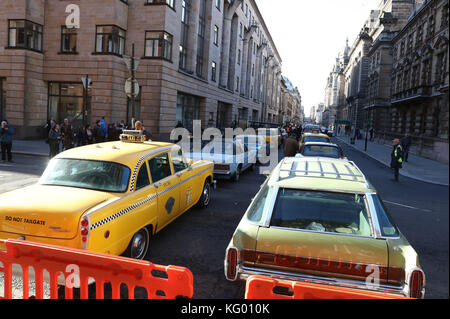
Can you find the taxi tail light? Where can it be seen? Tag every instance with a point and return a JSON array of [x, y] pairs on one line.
[[232, 260], [84, 231], [416, 284]]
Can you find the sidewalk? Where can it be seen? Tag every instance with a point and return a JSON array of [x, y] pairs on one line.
[[418, 168], [34, 148]]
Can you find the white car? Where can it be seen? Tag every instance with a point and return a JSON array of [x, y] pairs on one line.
[[230, 157]]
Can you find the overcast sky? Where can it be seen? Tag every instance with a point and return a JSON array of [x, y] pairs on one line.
[[309, 34]]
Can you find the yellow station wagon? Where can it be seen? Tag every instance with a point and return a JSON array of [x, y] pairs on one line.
[[319, 220], [108, 198]]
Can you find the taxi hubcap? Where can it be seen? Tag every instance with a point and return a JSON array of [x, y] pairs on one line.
[[139, 245], [206, 194]]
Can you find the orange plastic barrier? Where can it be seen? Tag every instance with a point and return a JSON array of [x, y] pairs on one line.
[[160, 282], [260, 287]]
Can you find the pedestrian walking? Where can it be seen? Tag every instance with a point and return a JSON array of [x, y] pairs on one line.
[[89, 135], [54, 139], [371, 132], [67, 137], [50, 124], [6, 139], [103, 130], [406, 144], [397, 159], [291, 146], [97, 136]]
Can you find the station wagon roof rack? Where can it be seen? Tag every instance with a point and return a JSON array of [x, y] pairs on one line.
[[314, 167]]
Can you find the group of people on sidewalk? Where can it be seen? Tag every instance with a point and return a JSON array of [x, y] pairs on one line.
[[63, 137]]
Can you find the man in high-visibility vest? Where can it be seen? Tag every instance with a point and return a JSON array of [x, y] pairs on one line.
[[397, 158]]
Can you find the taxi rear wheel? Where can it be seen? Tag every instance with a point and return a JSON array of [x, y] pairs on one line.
[[205, 199], [138, 247]]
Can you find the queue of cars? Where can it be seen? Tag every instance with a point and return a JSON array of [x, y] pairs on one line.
[[315, 219]]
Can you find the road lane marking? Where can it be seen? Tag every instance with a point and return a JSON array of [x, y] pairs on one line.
[[406, 206]]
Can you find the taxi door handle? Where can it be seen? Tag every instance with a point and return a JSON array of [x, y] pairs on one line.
[[179, 174], [157, 185]]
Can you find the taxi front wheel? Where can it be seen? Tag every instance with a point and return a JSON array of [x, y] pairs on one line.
[[138, 247]]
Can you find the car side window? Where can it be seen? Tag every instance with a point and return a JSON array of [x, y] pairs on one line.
[[256, 210], [143, 179], [160, 167], [178, 161]]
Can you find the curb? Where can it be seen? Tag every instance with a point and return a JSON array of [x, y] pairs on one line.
[[402, 173]]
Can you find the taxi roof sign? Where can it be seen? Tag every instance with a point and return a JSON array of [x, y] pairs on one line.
[[132, 136]]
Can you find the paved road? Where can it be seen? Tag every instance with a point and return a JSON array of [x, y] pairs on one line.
[[421, 211], [198, 239]]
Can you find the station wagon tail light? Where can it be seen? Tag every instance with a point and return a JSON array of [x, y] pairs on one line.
[[84, 231], [231, 263], [416, 283]]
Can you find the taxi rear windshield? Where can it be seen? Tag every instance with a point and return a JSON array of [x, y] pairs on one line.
[[321, 212], [96, 175], [321, 150], [320, 139]]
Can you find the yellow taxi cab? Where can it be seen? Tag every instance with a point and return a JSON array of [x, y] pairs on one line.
[[109, 197], [272, 136], [314, 137]]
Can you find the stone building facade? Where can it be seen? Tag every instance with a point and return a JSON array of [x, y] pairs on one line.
[[335, 91], [291, 103], [392, 17], [420, 81], [356, 74], [209, 60], [396, 80]]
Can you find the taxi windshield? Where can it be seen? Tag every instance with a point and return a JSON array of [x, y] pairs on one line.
[[321, 139], [321, 150], [96, 175]]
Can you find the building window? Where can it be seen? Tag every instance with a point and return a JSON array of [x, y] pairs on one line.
[[239, 57], [188, 110], [241, 30], [68, 40], [110, 40], [201, 38], [218, 4], [2, 99], [185, 7], [237, 84], [158, 45], [213, 71], [170, 3], [216, 35], [25, 34], [66, 100]]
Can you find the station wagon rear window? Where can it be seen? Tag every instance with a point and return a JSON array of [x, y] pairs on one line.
[[96, 175], [321, 212], [321, 150], [320, 139]]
